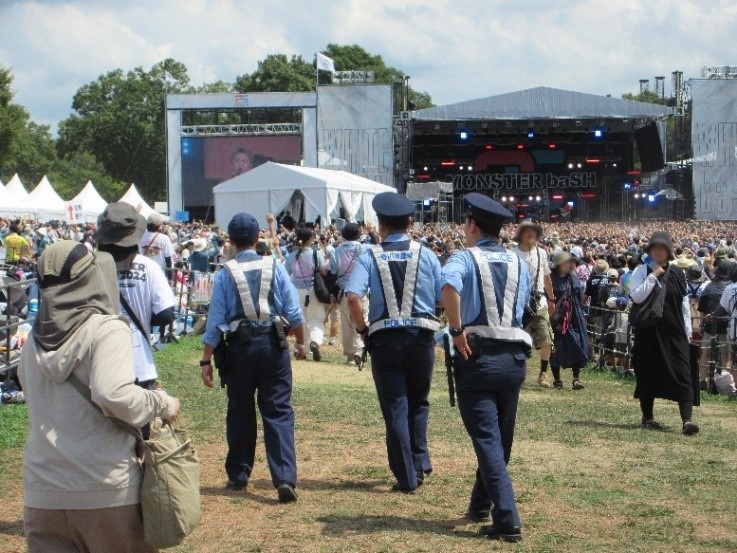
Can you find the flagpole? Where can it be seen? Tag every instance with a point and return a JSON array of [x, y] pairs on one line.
[[317, 113]]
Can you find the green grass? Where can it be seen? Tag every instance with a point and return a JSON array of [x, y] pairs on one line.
[[588, 479]]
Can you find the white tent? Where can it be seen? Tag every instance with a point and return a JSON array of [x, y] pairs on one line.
[[136, 200], [92, 203], [43, 203], [274, 188], [16, 191]]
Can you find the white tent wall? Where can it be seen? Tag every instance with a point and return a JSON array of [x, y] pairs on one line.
[[16, 192], [92, 203], [270, 187], [133, 198]]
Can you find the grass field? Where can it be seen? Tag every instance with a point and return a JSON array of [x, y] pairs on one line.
[[588, 479]]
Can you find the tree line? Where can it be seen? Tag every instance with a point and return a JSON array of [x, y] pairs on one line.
[[115, 134]]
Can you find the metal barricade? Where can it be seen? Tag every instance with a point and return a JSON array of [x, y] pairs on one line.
[[610, 339], [18, 307]]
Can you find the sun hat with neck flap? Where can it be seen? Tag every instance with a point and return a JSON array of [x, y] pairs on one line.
[[74, 285]]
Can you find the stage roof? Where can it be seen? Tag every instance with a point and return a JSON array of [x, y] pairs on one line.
[[543, 103]]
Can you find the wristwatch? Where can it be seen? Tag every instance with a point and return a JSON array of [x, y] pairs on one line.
[[205, 363], [455, 332]]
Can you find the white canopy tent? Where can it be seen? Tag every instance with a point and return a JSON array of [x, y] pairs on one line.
[[274, 188], [133, 198], [92, 203], [16, 192], [43, 203]]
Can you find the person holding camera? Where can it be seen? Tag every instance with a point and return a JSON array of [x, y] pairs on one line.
[[485, 291], [250, 296], [528, 237]]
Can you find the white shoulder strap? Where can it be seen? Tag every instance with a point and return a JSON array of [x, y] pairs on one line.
[[237, 270], [482, 260], [382, 259]]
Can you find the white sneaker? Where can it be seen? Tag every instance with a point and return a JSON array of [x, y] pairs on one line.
[[333, 342]]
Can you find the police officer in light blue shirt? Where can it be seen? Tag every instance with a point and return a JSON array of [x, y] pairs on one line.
[[404, 280], [485, 291], [248, 296], [342, 262]]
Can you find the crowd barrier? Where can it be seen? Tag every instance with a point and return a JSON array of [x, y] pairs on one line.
[[612, 339]]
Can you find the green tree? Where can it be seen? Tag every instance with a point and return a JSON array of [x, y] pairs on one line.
[[119, 119], [649, 97], [71, 173], [13, 118], [277, 73]]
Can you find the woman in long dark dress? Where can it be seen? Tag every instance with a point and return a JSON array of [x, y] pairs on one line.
[[661, 355], [570, 344]]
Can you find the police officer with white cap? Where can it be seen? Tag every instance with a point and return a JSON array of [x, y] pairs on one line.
[[404, 280], [485, 290], [249, 298]]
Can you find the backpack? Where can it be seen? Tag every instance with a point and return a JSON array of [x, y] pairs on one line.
[[326, 287]]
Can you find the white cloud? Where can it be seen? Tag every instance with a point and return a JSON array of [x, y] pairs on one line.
[[455, 49]]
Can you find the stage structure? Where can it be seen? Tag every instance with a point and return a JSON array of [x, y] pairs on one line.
[[714, 142], [215, 137], [547, 154]]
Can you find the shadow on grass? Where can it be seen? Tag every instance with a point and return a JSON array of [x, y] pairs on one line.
[[605, 424], [12, 528], [264, 486], [339, 526]]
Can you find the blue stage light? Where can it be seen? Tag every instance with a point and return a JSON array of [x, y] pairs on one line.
[[651, 198], [464, 135], [530, 133], [627, 186], [598, 132]]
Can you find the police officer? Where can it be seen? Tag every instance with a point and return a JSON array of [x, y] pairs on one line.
[[404, 280], [485, 289], [248, 298]]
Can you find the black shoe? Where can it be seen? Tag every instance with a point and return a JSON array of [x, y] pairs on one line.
[[396, 488], [558, 384], [236, 486], [358, 360], [315, 349], [652, 424], [287, 493], [497, 534], [478, 516], [420, 478], [690, 428]]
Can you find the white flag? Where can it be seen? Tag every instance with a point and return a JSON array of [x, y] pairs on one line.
[[325, 63]]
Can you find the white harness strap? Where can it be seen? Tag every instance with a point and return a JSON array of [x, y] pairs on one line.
[[236, 270], [498, 327], [399, 316], [382, 259]]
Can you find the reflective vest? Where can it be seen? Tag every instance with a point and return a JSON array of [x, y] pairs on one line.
[[497, 321], [262, 313], [399, 316]]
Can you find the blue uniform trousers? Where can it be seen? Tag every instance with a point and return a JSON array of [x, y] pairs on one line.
[[488, 389], [402, 364], [260, 373]]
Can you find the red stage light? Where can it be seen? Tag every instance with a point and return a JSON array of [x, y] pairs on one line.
[[592, 160], [557, 197], [588, 196], [634, 173], [448, 163], [520, 146], [551, 146], [522, 206], [489, 146], [423, 176]]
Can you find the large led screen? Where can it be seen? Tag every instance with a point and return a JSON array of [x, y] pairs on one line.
[[209, 161]]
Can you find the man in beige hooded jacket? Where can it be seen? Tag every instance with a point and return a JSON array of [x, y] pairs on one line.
[[81, 474]]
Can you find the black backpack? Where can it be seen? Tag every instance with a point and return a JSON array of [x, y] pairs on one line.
[[326, 287]]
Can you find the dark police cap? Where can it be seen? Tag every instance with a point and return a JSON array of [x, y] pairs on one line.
[[391, 204], [120, 224], [243, 227], [483, 209]]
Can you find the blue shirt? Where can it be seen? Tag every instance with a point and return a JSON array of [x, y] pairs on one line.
[[344, 259], [460, 273], [225, 301], [365, 277]]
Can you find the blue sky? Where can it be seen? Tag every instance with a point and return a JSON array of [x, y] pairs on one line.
[[454, 49]]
